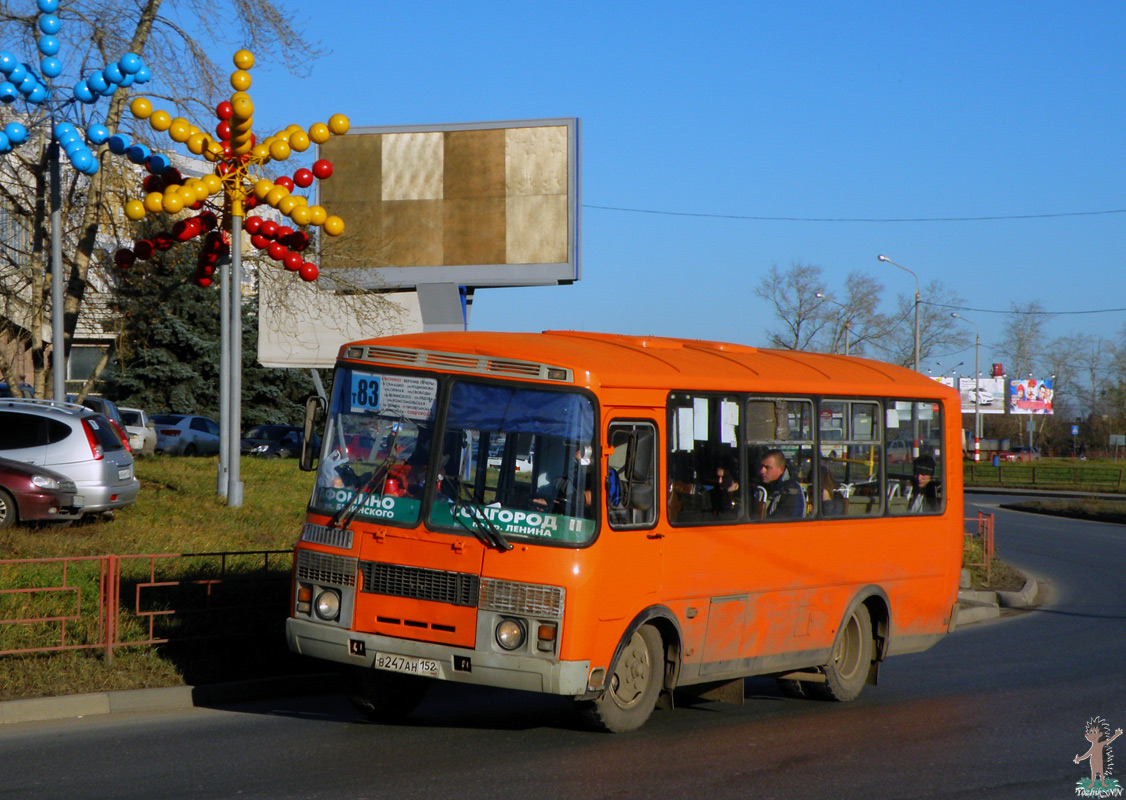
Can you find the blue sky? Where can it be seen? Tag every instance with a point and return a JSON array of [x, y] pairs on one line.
[[803, 110]]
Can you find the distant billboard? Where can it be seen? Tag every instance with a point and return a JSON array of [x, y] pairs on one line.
[[474, 204], [989, 394], [1030, 396]]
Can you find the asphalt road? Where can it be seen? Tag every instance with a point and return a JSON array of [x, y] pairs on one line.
[[995, 710]]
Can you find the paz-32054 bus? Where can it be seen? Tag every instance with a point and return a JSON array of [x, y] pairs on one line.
[[610, 518]]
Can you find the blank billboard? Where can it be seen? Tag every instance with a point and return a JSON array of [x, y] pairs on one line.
[[475, 204]]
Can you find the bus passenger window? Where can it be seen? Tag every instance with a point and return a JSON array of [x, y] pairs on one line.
[[780, 458], [631, 475], [705, 484], [851, 462], [916, 471]]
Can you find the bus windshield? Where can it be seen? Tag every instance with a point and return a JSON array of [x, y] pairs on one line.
[[513, 462], [517, 462], [376, 447]]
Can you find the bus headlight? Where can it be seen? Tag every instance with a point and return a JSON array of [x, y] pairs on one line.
[[510, 633], [328, 605]]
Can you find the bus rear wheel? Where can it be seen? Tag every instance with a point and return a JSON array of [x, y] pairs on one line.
[[851, 659], [632, 693], [384, 696]]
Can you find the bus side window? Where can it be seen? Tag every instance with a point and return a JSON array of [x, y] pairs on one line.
[[631, 475]]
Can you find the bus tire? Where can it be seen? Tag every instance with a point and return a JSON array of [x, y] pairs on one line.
[[850, 660], [384, 696], [633, 689]]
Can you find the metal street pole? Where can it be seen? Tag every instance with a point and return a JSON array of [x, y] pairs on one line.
[[225, 294], [916, 277], [977, 374], [58, 343], [234, 463]]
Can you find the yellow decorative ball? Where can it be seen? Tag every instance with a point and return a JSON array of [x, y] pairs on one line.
[[242, 105], [275, 195], [338, 124], [260, 151], [279, 150], [300, 215], [319, 132], [154, 202], [288, 203], [141, 107], [240, 80], [262, 188], [317, 215], [334, 226], [299, 141], [135, 210], [196, 143], [179, 130], [172, 203], [244, 59], [212, 182], [160, 120]]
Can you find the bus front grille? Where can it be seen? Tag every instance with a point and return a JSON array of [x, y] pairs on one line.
[[396, 580]]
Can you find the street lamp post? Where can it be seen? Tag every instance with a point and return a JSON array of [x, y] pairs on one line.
[[821, 296], [916, 277], [977, 383]]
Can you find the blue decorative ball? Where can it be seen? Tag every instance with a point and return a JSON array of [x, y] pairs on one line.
[[8, 92], [118, 144], [38, 94], [48, 6], [18, 73], [138, 153], [8, 62], [51, 67], [97, 82], [143, 75], [113, 73], [81, 159], [17, 133], [83, 93], [5, 145], [130, 63], [97, 134], [49, 24]]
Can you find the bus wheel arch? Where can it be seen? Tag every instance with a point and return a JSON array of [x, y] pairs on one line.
[[858, 648], [641, 676]]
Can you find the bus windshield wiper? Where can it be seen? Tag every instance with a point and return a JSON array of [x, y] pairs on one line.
[[479, 526], [347, 512]]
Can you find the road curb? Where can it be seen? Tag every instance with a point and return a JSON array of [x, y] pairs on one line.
[[979, 606], [42, 709]]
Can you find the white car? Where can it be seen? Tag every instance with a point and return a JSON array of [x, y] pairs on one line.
[[984, 396], [141, 431]]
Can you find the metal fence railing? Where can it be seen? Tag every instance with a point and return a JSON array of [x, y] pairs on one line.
[[980, 528], [1095, 478], [113, 601]]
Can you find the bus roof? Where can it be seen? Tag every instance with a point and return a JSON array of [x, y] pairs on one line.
[[646, 362]]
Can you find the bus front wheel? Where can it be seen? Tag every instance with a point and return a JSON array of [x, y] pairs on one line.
[[383, 696], [851, 659], [633, 689]]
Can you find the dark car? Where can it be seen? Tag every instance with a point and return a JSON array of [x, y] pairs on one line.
[[31, 494], [289, 446], [20, 390], [262, 436]]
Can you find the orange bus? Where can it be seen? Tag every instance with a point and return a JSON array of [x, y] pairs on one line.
[[610, 518]]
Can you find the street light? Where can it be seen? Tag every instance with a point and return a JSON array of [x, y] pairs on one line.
[[821, 296], [977, 377], [916, 277]]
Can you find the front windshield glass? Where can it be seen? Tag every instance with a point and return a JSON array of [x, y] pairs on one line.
[[516, 463], [377, 445]]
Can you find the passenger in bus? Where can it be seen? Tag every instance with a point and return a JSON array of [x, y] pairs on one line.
[[567, 497], [833, 503], [924, 488], [724, 493], [784, 497]]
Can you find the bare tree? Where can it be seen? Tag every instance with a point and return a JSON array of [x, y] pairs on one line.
[[95, 33], [799, 310], [939, 333]]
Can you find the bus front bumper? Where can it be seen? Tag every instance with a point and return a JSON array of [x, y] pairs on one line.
[[455, 664]]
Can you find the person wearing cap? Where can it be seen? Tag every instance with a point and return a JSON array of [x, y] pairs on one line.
[[924, 487]]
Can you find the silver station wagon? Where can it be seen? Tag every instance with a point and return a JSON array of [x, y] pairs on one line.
[[74, 441]]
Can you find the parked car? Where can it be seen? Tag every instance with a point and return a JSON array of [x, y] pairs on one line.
[[289, 446], [74, 441], [186, 434], [264, 435], [140, 429], [20, 390], [108, 409], [35, 494]]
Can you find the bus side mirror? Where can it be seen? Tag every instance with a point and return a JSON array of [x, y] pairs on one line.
[[313, 404]]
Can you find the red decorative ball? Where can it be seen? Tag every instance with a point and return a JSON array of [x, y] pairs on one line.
[[277, 251], [163, 240], [223, 131], [250, 202], [207, 270], [322, 169], [153, 183], [172, 176], [268, 228], [282, 233], [252, 224], [143, 249], [224, 110], [293, 261], [309, 271], [285, 181], [298, 241], [186, 229], [260, 241], [208, 220], [203, 281], [125, 258], [303, 178]]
